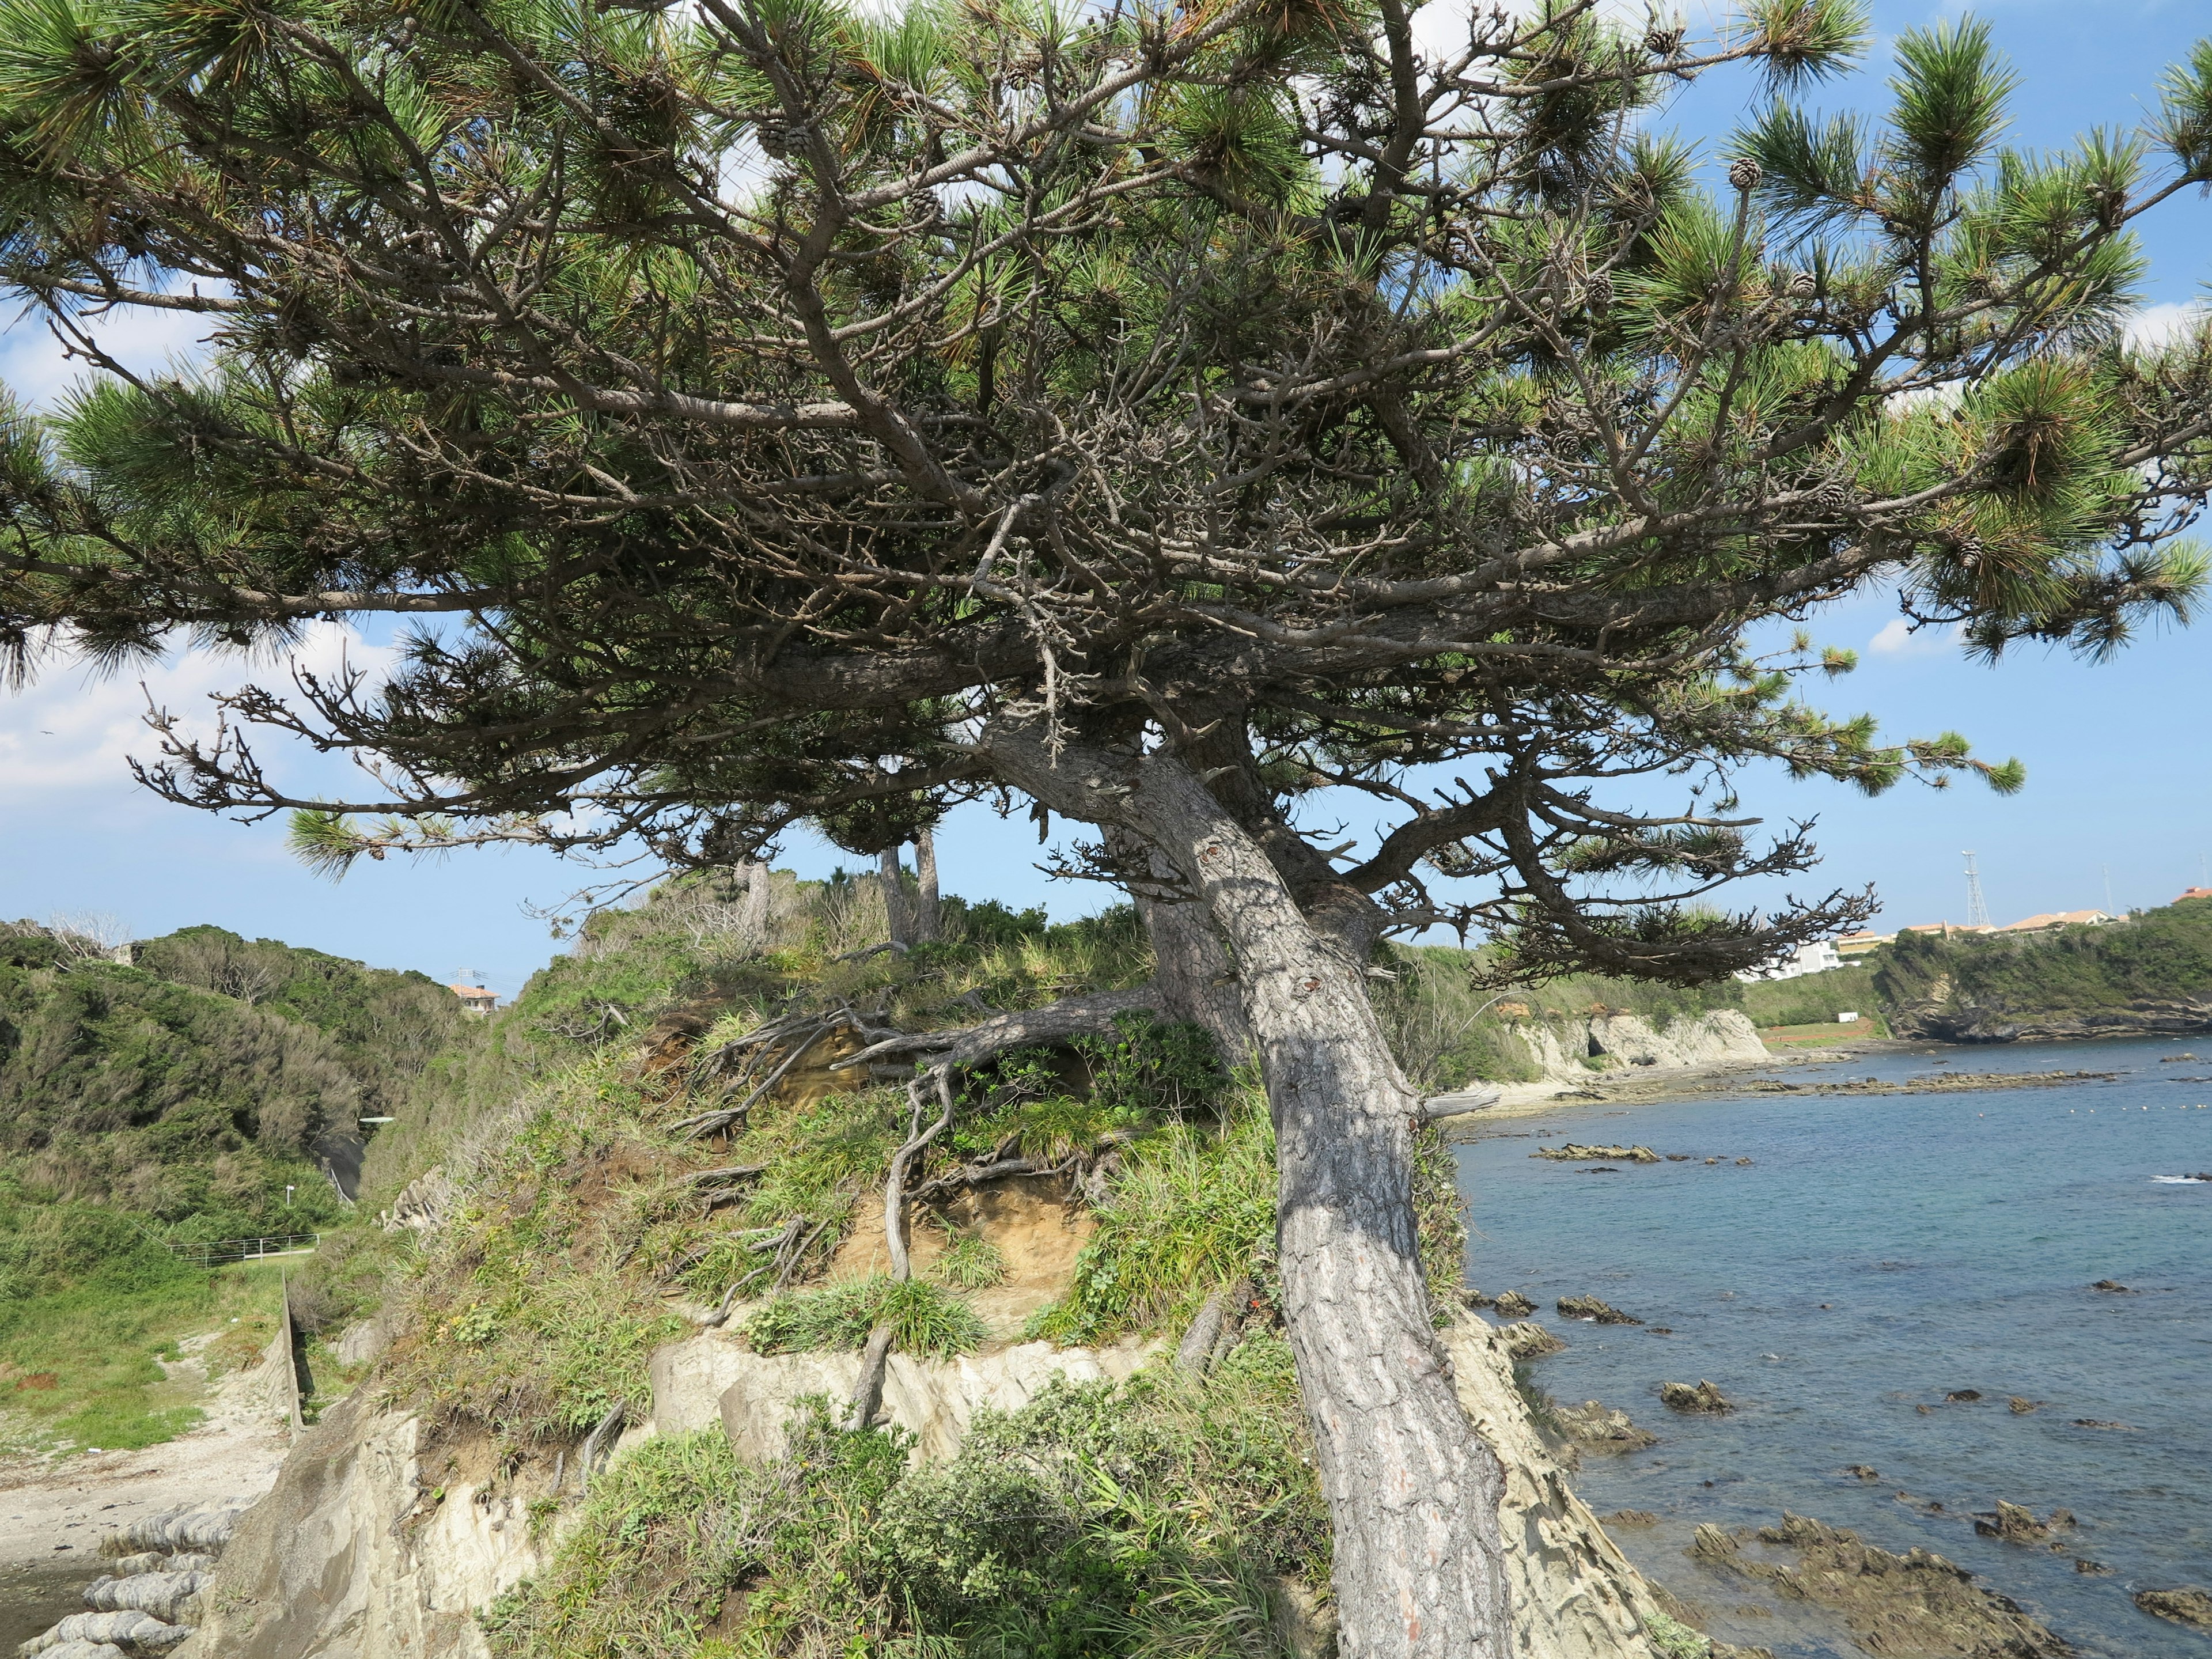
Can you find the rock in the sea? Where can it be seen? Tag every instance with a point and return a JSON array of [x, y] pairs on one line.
[[2188, 1605], [2112, 1285], [1574, 1152], [1862, 1472], [1709, 1543], [1962, 1396], [1514, 1305], [2016, 1525], [2100, 1422], [1915, 1603], [2095, 1569], [1681, 1397], [1588, 1307], [1632, 1518], [1601, 1428], [2019, 1408], [1529, 1340]]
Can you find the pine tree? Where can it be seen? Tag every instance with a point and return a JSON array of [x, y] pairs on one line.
[[765, 412]]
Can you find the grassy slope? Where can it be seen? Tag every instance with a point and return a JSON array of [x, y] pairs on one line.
[[1146, 1520], [173, 1101]]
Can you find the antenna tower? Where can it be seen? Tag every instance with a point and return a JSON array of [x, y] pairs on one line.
[[1978, 910]]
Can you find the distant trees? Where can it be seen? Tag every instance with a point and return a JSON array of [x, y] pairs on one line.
[[1177, 419]]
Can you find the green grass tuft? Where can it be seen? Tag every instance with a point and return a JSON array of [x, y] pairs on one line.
[[925, 1319], [970, 1263], [1194, 1212]]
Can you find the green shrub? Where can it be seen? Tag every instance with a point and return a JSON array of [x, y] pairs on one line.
[[1145, 1520]]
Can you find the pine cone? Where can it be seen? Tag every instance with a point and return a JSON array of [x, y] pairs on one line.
[[1662, 43], [1746, 173], [1834, 496], [1804, 285], [1598, 290]]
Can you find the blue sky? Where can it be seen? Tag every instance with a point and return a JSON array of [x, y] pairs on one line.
[[2116, 754]]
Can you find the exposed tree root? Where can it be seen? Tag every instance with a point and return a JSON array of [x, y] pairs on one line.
[[1090, 1015]]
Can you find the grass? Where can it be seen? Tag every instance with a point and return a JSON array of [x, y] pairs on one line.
[[78, 1365], [1194, 1210], [1145, 1520], [970, 1262], [925, 1318]]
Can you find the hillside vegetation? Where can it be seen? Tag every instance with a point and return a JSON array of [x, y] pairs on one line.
[[2158, 956], [165, 1103], [587, 1219]]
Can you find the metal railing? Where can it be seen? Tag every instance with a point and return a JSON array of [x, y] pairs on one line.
[[217, 1252]]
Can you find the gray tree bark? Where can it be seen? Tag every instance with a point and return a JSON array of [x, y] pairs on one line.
[[1412, 1491], [893, 885], [927, 925], [753, 917], [1193, 975]]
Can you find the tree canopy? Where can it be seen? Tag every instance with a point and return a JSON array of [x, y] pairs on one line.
[[747, 404], [1164, 412]]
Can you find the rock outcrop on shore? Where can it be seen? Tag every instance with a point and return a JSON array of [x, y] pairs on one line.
[[2189, 1606], [1955, 1019], [1917, 1603], [1563, 1049]]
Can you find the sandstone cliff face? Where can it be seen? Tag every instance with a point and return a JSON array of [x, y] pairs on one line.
[[1624, 1042], [711, 1379], [355, 1555], [358, 1552], [1574, 1594]]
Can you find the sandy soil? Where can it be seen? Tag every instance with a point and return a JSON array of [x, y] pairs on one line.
[[53, 1509]]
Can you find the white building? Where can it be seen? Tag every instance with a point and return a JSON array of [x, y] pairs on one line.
[[1814, 959]]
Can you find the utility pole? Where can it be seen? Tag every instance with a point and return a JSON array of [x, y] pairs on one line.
[[1977, 912], [2108, 869]]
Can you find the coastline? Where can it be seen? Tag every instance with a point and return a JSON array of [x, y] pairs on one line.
[[53, 1510], [1657, 1085]]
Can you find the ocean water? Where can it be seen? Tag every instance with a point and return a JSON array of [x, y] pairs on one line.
[[1878, 1252]]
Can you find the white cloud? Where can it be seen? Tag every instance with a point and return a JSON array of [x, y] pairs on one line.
[[72, 731], [38, 366], [2154, 325], [1899, 639]]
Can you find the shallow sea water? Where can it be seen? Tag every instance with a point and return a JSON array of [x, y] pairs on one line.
[[1879, 1253]]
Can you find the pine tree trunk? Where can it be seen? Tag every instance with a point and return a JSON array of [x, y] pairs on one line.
[[893, 885], [927, 924], [1196, 979], [753, 915], [1412, 1491]]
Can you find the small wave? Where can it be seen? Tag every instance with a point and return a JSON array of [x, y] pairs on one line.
[[2205, 1180]]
